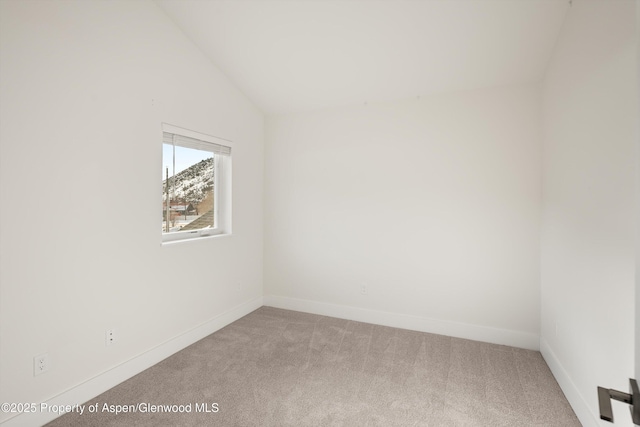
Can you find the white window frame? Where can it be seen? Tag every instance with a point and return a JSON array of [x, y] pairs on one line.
[[221, 185]]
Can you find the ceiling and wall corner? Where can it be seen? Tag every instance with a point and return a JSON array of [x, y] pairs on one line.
[[292, 56]]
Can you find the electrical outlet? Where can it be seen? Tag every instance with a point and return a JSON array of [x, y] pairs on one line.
[[110, 337], [40, 364], [363, 289]]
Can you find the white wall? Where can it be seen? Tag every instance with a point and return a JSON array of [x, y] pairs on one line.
[[84, 87], [432, 204], [590, 164], [637, 306]]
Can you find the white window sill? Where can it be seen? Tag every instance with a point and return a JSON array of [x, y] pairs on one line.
[[195, 239]]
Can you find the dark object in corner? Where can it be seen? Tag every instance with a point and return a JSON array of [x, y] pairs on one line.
[[632, 398]]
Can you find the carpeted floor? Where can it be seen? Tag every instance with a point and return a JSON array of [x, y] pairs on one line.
[[283, 368]]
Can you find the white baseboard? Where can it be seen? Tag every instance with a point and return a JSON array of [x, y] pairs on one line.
[[453, 329], [103, 382], [580, 407]]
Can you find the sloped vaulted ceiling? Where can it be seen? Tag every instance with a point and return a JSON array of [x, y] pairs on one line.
[[290, 56]]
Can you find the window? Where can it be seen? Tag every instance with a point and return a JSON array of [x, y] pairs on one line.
[[195, 184]]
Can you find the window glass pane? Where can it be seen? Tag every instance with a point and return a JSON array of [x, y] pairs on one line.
[[187, 194]]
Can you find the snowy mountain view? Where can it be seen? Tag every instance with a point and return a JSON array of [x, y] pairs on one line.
[[192, 184], [191, 197]]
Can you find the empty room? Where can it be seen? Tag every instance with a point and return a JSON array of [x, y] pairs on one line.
[[319, 212]]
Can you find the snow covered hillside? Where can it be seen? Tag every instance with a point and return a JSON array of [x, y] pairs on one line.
[[192, 184]]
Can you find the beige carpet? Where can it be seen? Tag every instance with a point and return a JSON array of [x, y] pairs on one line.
[[283, 368]]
